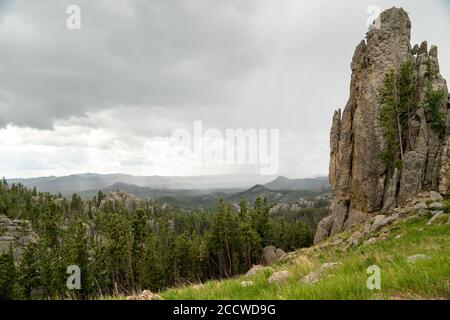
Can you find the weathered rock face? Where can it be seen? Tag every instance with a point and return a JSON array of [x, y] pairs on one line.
[[126, 200], [362, 183], [15, 235]]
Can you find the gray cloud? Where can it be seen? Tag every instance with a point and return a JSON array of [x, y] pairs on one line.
[[143, 68]]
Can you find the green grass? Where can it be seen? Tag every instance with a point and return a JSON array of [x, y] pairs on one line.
[[426, 279]]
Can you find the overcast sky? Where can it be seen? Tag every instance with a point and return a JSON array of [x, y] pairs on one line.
[[107, 97]]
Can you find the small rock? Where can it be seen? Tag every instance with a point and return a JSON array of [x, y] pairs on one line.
[[197, 286], [246, 283], [398, 236], [328, 265], [413, 259], [254, 269], [145, 295], [366, 229], [354, 239], [381, 220], [370, 241], [311, 278], [435, 196], [420, 205], [422, 212], [436, 206], [437, 212], [434, 217], [412, 217], [279, 277], [7, 238], [378, 219], [280, 253], [314, 277]]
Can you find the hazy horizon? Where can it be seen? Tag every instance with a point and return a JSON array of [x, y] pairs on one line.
[[242, 175]]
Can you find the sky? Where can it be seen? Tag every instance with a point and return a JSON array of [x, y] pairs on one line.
[[107, 97]]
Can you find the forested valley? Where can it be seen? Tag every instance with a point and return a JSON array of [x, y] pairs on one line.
[[122, 249]]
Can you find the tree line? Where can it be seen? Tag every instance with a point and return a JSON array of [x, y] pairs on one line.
[[121, 252]]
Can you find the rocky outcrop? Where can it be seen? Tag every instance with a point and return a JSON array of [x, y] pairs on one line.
[[128, 201], [363, 185], [16, 235]]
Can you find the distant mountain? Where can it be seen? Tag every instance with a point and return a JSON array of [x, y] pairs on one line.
[[91, 181], [282, 183], [257, 191], [141, 192], [275, 196], [195, 191], [208, 198]]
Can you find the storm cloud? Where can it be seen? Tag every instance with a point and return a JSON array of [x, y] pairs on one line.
[[105, 98]]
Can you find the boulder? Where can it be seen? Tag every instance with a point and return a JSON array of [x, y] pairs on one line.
[[423, 212], [417, 257], [379, 222], [437, 206], [279, 277], [420, 205], [435, 196], [314, 277], [370, 241], [271, 254], [254, 270], [280, 253], [311, 278], [436, 215], [323, 229]]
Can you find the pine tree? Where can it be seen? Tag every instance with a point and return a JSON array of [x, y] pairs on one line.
[[8, 276], [29, 270]]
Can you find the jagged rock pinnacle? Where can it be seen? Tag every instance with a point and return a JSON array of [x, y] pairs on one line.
[[363, 184]]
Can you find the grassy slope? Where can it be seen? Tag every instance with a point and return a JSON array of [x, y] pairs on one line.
[[426, 279]]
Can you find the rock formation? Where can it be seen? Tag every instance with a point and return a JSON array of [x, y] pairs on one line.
[[362, 183], [15, 235], [271, 254], [126, 200]]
